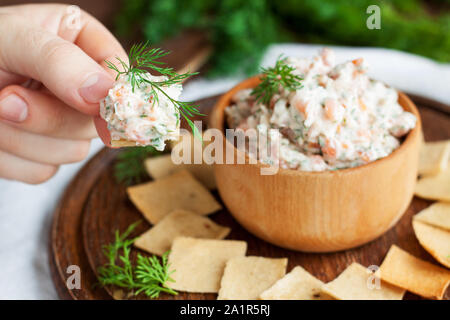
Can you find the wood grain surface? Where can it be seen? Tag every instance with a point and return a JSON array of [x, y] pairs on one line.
[[95, 205]]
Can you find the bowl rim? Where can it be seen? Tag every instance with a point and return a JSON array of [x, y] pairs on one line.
[[251, 82]]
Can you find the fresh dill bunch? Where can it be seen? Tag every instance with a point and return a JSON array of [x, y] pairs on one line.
[[129, 167], [142, 58], [241, 30], [274, 79], [111, 273], [149, 276], [153, 275]]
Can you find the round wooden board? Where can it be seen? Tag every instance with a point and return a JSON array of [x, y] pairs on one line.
[[95, 205]]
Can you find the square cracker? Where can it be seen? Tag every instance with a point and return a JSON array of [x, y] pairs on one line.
[[413, 274], [162, 166], [189, 147], [438, 215], [353, 284], [158, 198], [179, 223], [434, 157], [298, 284], [434, 187], [245, 278], [198, 160], [122, 143], [435, 240], [199, 263]]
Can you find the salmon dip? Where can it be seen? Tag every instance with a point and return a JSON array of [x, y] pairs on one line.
[[339, 117], [143, 115]]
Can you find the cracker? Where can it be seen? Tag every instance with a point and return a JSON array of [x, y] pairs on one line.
[[198, 162], [158, 198], [199, 263], [434, 187], [118, 294], [355, 283], [245, 278], [162, 166], [122, 143], [434, 157], [438, 215], [179, 223], [435, 240], [298, 284], [413, 274]]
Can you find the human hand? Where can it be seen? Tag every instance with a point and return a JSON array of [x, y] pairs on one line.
[[52, 77]]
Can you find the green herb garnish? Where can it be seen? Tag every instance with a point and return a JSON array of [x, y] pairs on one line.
[[129, 167], [274, 79], [149, 276], [141, 59]]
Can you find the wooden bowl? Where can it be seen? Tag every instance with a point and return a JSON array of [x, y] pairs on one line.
[[319, 211]]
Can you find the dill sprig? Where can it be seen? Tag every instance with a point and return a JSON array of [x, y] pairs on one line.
[[149, 276], [153, 275], [141, 58], [274, 79], [129, 167]]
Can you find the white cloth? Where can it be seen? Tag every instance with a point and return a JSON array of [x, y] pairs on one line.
[[26, 210]]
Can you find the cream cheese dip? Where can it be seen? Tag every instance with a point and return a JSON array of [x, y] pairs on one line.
[[145, 116], [339, 118]]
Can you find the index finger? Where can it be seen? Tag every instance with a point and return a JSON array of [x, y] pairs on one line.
[[99, 43]]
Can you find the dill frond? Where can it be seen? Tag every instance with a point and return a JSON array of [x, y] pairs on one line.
[[129, 167], [274, 79], [141, 58], [149, 276]]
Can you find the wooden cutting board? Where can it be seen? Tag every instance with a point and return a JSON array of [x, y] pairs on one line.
[[94, 205]]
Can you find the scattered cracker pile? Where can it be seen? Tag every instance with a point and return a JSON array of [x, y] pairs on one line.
[[177, 201], [432, 225]]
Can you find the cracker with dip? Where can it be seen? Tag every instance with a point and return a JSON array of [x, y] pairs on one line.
[[142, 109]]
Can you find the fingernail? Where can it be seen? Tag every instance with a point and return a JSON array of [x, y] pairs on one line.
[[13, 108], [95, 87]]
